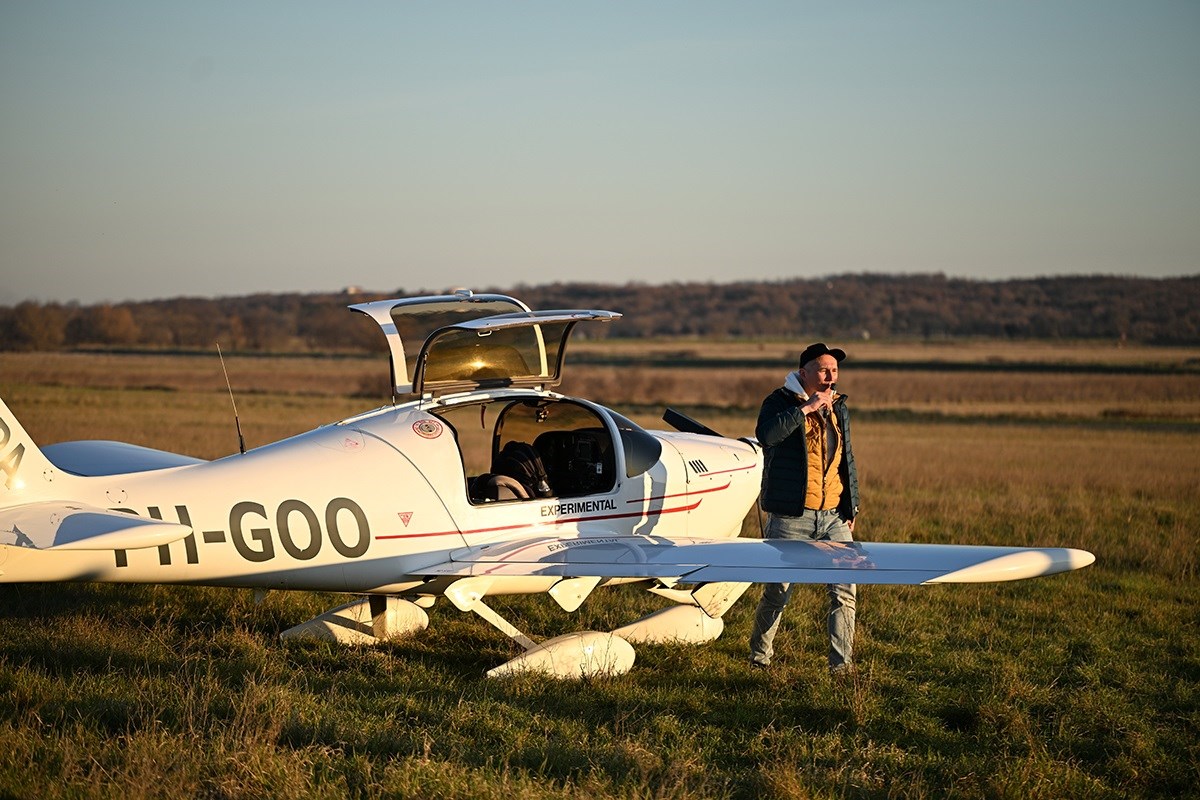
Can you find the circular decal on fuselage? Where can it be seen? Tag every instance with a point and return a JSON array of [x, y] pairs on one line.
[[427, 428]]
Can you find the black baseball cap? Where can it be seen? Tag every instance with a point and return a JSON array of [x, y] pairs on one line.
[[820, 349]]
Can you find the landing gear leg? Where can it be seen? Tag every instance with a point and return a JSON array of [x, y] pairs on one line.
[[585, 654]]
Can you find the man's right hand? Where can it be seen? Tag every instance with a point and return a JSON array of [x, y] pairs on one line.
[[817, 401]]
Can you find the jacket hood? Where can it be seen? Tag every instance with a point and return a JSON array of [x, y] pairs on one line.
[[792, 384]]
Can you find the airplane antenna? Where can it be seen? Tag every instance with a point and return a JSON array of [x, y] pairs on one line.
[[237, 422]]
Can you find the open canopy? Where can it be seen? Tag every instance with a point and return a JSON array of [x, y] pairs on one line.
[[474, 341]]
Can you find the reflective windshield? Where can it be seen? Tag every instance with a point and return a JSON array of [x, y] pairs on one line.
[[495, 356], [642, 451], [414, 323]]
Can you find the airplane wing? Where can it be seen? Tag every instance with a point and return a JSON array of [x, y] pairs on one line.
[[759, 560], [72, 526]]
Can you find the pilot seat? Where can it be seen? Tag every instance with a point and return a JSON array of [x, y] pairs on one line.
[[517, 474]]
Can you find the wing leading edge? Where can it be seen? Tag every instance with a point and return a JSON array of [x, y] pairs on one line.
[[759, 561]]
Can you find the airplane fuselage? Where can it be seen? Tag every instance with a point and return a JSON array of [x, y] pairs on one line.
[[345, 508]]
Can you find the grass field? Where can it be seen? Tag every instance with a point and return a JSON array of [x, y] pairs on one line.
[[1079, 685]]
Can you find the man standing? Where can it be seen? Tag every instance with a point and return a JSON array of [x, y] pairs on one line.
[[809, 489]]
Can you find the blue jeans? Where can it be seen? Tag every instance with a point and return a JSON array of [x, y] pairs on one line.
[[811, 526]]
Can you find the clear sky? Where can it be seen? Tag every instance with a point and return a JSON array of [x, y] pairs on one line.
[[158, 149]]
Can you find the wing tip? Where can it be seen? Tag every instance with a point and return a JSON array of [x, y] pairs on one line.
[[1033, 562], [49, 526]]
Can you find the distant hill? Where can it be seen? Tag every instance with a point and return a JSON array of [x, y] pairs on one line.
[[879, 307]]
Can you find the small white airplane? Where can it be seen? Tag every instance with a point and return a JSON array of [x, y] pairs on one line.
[[482, 482]]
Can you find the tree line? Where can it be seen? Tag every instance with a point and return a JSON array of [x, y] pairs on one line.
[[841, 307]]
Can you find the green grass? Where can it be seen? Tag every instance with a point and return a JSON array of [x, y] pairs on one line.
[[1079, 685]]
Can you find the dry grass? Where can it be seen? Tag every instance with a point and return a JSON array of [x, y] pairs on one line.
[[992, 394], [950, 352], [200, 425], [1039, 485], [193, 373]]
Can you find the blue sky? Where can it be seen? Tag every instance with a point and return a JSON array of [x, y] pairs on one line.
[[159, 149]]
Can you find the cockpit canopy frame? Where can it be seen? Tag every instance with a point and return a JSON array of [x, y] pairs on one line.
[[474, 341]]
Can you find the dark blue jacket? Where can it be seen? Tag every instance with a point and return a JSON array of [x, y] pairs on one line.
[[780, 431]]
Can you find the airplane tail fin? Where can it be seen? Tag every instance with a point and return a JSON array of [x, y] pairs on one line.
[[24, 469]]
